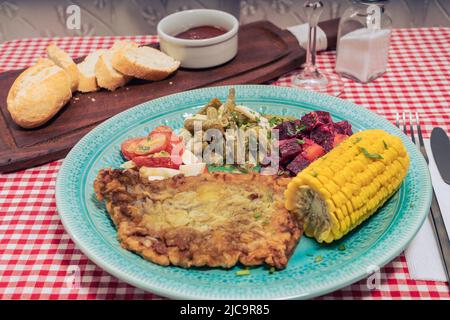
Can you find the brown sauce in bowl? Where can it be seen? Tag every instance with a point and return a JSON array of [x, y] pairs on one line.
[[202, 32]]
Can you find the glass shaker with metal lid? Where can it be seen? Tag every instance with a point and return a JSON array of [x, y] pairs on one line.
[[363, 40]]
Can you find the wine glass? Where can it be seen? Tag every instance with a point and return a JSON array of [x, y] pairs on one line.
[[310, 78]]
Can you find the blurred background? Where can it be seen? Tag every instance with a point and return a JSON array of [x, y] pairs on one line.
[[47, 18]]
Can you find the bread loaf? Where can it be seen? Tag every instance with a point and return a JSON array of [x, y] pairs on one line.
[[63, 60], [143, 62], [38, 94], [108, 77], [86, 72]]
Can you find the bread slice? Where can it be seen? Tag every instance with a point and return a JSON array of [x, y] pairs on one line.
[[63, 60], [38, 94], [86, 72], [143, 62], [108, 77]]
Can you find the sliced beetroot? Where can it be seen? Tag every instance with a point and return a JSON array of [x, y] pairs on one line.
[[298, 164], [303, 141], [324, 136], [310, 120], [343, 127], [316, 118], [286, 130], [289, 129], [289, 149], [324, 117], [328, 144], [282, 142]]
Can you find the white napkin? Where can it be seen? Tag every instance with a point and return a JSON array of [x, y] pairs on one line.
[[301, 32], [422, 255]]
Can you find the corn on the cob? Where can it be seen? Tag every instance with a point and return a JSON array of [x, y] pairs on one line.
[[338, 191]]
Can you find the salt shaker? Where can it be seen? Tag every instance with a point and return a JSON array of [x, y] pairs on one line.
[[363, 41]]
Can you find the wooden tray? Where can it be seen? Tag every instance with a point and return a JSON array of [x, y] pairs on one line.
[[265, 53]]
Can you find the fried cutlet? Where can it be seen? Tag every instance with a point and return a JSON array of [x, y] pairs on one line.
[[215, 219]]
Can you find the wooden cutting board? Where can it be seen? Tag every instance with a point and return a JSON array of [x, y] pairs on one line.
[[265, 53]]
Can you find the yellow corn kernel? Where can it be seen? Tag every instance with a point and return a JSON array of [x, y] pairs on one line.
[[351, 182]]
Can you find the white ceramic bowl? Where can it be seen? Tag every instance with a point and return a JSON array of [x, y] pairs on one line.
[[202, 53]]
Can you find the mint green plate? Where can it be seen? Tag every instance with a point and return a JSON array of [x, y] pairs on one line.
[[372, 245]]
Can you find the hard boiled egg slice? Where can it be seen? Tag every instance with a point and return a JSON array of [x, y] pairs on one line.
[[147, 172], [193, 169], [152, 178], [128, 165]]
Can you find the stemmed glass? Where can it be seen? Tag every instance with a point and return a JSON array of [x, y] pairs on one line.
[[310, 78]]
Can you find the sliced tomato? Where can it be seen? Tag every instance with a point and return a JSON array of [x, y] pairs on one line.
[[152, 144], [162, 129], [338, 138], [145, 145], [158, 162], [313, 151], [174, 147], [129, 146]]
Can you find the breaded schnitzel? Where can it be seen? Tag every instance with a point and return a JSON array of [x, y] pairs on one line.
[[215, 219]]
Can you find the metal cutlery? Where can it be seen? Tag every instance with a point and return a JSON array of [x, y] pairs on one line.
[[440, 145], [435, 211]]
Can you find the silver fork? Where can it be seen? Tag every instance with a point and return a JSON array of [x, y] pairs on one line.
[[435, 211]]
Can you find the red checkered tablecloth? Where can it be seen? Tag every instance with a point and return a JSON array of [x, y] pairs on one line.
[[38, 260]]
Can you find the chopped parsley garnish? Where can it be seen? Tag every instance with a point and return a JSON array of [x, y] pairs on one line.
[[275, 121], [272, 270], [370, 155], [257, 215], [318, 259], [341, 247], [309, 254], [314, 173], [244, 272], [300, 141], [358, 139], [280, 172], [290, 132], [299, 128], [385, 145]]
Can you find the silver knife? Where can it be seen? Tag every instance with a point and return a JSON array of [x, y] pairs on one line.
[[440, 145]]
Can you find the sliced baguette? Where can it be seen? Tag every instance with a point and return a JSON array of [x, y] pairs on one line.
[[86, 72], [108, 77], [38, 94], [143, 62], [63, 60]]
